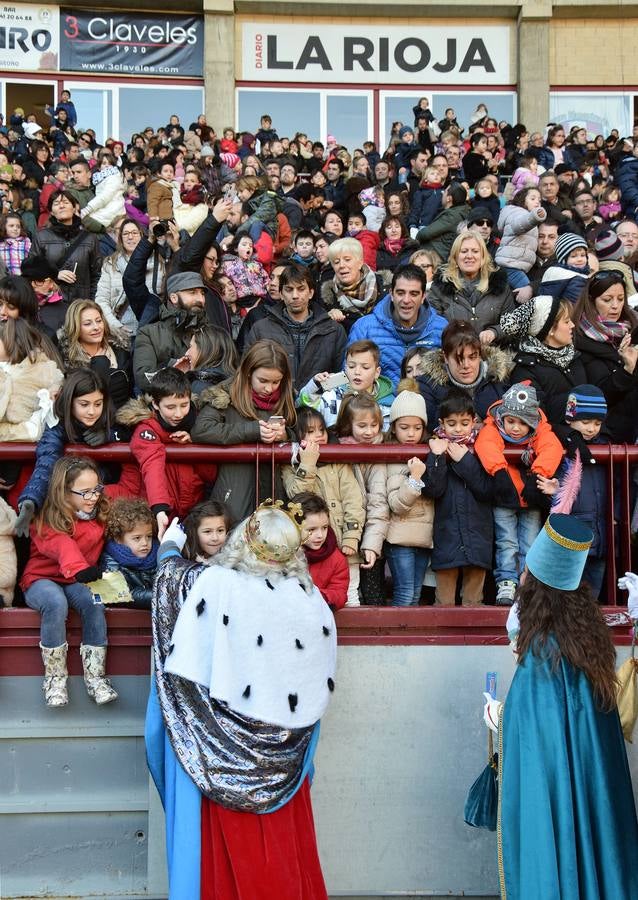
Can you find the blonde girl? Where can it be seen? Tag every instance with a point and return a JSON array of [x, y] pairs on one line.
[[67, 538], [360, 421]]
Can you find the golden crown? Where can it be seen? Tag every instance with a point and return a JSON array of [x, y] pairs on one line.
[[269, 543]]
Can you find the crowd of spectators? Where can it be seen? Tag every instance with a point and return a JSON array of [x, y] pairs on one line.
[[470, 288]]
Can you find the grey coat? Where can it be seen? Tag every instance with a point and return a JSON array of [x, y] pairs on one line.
[[520, 237]]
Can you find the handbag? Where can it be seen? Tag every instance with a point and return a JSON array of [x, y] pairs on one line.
[[627, 692], [481, 805]]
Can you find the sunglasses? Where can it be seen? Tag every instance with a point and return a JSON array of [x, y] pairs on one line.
[[608, 275], [483, 222]]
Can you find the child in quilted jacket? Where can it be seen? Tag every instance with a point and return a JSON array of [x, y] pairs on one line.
[[131, 548], [520, 489], [246, 273]]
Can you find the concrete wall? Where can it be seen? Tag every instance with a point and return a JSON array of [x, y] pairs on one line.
[[400, 745]]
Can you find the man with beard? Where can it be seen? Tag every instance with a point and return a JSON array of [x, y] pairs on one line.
[[162, 343]]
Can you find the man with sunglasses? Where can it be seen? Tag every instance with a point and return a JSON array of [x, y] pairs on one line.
[[481, 222]]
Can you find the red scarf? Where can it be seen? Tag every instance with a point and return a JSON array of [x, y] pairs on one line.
[[268, 403], [329, 546], [393, 245]]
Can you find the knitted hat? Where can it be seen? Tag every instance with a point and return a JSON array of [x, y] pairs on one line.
[[562, 168], [408, 403], [331, 141], [544, 310], [567, 242], [206, 150], [229, 159], [608, 246], [521, 402], [585, 401], [558, 555], [31, 130], [405, 130]]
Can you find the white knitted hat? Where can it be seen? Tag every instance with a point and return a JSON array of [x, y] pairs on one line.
[[545, 308], [408, 403]]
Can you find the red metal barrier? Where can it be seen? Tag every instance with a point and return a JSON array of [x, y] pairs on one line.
[[618, 458]]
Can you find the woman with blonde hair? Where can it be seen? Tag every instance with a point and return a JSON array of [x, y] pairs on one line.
[[86, 342], [355, 288], [256, 405], [470, 287]]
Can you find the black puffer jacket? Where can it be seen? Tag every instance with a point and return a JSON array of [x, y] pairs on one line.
[[483, 310], [552, 383]]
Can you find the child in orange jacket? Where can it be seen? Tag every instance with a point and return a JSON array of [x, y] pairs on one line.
[[520, 487]]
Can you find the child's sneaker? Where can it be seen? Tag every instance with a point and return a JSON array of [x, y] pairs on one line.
[[505, 591]]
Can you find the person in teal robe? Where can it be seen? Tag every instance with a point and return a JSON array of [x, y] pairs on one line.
[[567, 827]]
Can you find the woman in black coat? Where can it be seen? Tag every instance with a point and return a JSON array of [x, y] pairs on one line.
[[604, 326], [547, 356]]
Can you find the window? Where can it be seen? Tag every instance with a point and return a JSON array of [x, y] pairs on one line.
[[290, 111], [348, 119], [154, 105], [598, 112], [93, 106]]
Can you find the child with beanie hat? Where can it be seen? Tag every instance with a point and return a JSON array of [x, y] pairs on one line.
[[568, 277], [520, 487], [409, 490], [582, 487]]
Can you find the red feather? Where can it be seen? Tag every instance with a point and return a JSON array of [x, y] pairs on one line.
[[565, 496]]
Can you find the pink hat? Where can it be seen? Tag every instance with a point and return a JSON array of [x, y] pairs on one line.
[[229, 159], [331, 141]]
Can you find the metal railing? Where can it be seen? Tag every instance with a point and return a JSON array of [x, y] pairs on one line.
[[618, 460]]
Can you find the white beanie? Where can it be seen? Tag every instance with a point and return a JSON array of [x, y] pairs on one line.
[[408, 403], [545, 310]]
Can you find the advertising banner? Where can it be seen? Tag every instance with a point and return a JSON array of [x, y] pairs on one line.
[[129, 44], [29, 37], [440, 54]]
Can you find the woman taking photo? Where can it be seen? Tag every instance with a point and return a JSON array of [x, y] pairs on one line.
[[472, 288], [604, 337]]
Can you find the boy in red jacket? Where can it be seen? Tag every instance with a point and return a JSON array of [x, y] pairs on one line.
[[172, 488], [327, 565]]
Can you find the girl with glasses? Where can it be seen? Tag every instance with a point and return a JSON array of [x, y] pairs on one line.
[[67, 539]]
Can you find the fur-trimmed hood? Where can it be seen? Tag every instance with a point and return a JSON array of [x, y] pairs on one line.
[[496, 285], [217, 396], [135, 411], [116, 342], [499, 365]]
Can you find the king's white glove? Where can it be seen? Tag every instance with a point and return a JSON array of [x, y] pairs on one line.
[[630, 583], [176, 534], [491, 711]]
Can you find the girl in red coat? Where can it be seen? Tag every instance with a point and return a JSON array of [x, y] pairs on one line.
[[327, 565], [67, 538]]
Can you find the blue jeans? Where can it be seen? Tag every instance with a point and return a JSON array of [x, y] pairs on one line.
[[514, 533], [408, 566], [52, 601], [516, 278]]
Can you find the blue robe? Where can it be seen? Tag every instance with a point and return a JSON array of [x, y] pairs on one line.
[[567, 826]]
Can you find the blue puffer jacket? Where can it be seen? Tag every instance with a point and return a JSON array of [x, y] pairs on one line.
[[626, 178], [425, 206], [394, 341], [463, 530], [545, 157]]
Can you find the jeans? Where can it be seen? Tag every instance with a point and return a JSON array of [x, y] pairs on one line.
[[514, 532], [407, 565], [52, 601], [516, 278]]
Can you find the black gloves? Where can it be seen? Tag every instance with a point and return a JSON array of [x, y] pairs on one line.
[[91, 573], [533, 496], [505, 494], [95, 437]]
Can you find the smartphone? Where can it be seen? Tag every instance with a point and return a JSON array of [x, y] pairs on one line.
[[334, 381], [276, 420], [229, 191], [634, 337]]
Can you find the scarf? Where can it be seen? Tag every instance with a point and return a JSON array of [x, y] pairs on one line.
[[604, 331], [103, 174], [86, 516], [474, 384], [68, 232], [561, 357], [78, 358], [394, 245], [184, 425], [126, 557], [358, 297], [328, 547], [53, 297], [266, 403], [465, 440]]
